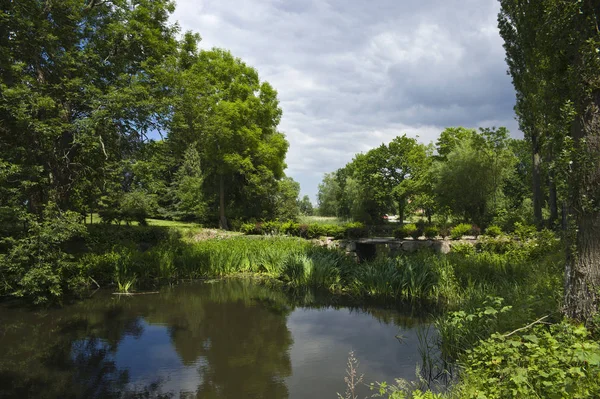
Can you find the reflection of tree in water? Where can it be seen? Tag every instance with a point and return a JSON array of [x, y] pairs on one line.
[[60, 355], [234, 331], [239, 330]]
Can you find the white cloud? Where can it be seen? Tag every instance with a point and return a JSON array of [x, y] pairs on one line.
[[353, 74]]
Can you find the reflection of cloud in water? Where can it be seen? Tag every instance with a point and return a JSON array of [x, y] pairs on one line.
[[323, 338], [151, 358]]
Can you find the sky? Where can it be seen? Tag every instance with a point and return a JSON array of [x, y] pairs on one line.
[[353, 74]]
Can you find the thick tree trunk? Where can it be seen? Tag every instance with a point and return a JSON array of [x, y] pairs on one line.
[[537, 181], [582, 276], [222, 218]]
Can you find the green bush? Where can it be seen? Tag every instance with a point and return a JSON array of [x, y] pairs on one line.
[[557, 362], [312, 230], [356, 230], [431, 232], [493, 231], [37, 266], [524, 231], [460, 230], [406, 231]]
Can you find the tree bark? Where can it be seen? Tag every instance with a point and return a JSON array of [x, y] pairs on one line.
[[582, 276], [537, 181], [222, 218], [401, 206]]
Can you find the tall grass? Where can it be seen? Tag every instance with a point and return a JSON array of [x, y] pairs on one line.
[[529, 277]]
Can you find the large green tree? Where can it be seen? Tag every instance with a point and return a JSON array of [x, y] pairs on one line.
[[566, 39], [233, 118], [79, 88], [470, 180]]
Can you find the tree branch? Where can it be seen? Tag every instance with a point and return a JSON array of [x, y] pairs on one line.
[[540, 320]]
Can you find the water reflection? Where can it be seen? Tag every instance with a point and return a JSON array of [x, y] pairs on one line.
[[228, 339]]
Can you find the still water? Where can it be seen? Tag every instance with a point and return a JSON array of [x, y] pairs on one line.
[[225, 339]]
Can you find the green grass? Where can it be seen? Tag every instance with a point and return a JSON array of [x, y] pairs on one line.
[[95, 219], [323, 220]]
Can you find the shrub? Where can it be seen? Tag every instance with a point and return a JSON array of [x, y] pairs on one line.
[[431, 232], [36, 266], [416, 233], [560, 361], [524, 231], [493, 231], [460, 230], [247, 228], [405, 231], [444, 231], [496, 245], [136, 206], [356, 230]]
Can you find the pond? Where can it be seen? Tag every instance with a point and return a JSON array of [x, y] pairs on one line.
[[232, 338]]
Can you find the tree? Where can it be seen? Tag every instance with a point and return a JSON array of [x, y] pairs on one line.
[[187, 188], [471, 180], [233, 117], [567, 41], [285, 201], [78, 83], [327, 196], [450, 138], [305, 206]]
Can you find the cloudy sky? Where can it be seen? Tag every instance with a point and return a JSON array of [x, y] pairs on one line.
[[352, 74]]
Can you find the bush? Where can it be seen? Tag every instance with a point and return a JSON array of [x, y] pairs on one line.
[[36, 266], [431, 232], [524, 231], [313, 230], [405, 231], [136, 206], [560, 361], [356, 230], [444, 232], [460, 230], [493, 231]]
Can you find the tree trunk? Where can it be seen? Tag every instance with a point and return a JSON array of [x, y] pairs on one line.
[[401, 206], [582, 275], [537, 181], [552, 201], [222, 218]]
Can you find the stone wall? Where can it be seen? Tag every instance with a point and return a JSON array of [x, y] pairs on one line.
[[370, 247]]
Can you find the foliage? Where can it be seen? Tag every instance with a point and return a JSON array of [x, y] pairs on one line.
[[478, 166], [560, 361], [312, 230], [460, 330], [431, 232], [187, 188], [493, 231], [305, 206], [460, 230], [36, 265], [407, 230]]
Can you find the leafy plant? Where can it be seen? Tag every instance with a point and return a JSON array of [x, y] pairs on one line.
[[460, 230], [557, 362], [493, 231], [431, 232]]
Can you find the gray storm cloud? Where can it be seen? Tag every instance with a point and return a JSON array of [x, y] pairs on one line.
[[352, 74]]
